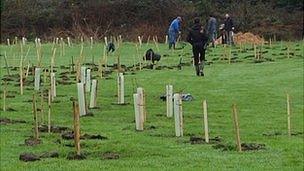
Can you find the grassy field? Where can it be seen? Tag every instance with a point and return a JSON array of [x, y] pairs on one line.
[[257, 87]]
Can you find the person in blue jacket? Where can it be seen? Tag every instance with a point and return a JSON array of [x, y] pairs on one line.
[[174, 31]]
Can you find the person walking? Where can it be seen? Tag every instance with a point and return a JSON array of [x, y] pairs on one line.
[[229, 28], [198, 39], [174, 31], [211, 29]]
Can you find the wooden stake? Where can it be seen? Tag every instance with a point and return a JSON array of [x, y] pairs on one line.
[[44, 77], [206, 121], [229, 56], [236, 127], [21, 76], [169, 100], [76, 128], [137, 52], [49, 111], [41, 107], [27, 70], [288, 52], [156, 43], [4, 96], [36, 135], [255, 51], [288, 115], [62, 46], [6, 64], [166, 39], [53, 60]]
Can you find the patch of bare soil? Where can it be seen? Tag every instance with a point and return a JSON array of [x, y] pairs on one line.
[[75, 156], [4, 121], [32, 141], [110, 155], [244, 146], [54, 129], [200, 140]]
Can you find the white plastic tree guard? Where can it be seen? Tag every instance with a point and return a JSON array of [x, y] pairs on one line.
[[81, 99], [37, 78], [178, 115], [93, 94], [88, 81]]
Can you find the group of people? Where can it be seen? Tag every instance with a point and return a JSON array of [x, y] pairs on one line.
[[199, 37]]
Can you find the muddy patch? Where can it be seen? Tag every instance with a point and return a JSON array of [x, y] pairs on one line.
[[70, 135], [93, 137], [270, 134], [32, 141], [252, 146], [244, 146], [4, 121], [273, 134], [54, 129], [200, 140], [28, 157], [75, 156], [110, 155]]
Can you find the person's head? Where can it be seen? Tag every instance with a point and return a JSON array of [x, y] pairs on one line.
[[179, 18], [196, 20], [227, 16]]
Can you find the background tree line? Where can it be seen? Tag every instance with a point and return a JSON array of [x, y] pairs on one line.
[[130, 18]]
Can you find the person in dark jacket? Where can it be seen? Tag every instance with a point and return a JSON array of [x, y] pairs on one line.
[[198, 39], [211, 29], [229, 27]]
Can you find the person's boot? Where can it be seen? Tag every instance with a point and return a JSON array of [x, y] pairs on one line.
[[197, 70], [201, 68]]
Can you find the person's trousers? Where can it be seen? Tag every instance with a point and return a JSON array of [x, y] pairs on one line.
[[198, 54], [172, 35], [212, 37], [229, 37]]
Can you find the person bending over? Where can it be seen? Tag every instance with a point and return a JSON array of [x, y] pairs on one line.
[[174, 31]]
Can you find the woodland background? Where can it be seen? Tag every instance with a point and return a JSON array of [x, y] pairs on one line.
[[130, 18]]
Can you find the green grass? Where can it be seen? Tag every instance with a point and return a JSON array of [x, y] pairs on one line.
[[258, 89]]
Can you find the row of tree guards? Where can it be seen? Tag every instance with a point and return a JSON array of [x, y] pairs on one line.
[[86, 85], [173, 104]]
